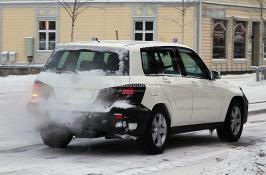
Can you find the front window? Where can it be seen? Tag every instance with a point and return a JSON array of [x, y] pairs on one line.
[[103, 62], [47, 35], [144, 30], [219, 39], [240, 36], [193, 65]]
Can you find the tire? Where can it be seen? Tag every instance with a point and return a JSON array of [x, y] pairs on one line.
[[156, 134], [56, 137], [233, 125]]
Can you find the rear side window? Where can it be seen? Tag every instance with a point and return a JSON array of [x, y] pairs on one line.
[[158, 61], [109, 62]]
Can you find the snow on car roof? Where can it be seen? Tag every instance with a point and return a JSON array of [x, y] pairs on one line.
[[118, 44]]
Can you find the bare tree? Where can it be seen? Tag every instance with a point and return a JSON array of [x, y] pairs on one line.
[[74, 9], [182, 10]]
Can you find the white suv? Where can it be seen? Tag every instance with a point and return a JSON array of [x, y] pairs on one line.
[[137, 90]]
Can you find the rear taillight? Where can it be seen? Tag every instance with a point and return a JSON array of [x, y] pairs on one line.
[[41, 90], [127, 91], [132, 93], [36, 89]]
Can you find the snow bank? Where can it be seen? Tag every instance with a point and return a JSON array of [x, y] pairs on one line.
[[13, 83], [255, 91], [241, 161], [15, 126]]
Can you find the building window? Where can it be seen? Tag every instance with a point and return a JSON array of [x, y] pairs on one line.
[[240, 36], [47, 35], [219, 39], [144, 30]]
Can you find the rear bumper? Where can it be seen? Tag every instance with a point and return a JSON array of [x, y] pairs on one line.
[[91, 125]]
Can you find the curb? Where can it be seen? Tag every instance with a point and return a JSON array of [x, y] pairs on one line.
[[255, 112]]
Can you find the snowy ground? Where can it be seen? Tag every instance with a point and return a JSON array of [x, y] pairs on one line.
[[22, 152]]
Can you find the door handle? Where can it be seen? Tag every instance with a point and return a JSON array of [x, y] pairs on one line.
[[166, 80], [194, 83]]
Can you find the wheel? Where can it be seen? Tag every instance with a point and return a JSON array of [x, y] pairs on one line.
[[56, 137], [233, 124], [155, 137]]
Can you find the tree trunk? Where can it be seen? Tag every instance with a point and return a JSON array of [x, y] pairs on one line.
[[183, 21], [74, 16], [72, 30]]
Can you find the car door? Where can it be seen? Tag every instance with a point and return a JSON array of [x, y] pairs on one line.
[[207, 97], [176, 88]]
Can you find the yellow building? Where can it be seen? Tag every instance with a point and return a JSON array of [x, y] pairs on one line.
[[228, 34]]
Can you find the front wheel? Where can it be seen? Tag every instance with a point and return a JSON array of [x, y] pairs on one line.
[[56, 137], [155, 137], [233, 125]]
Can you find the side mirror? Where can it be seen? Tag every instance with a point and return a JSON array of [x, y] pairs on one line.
[[215, 75]]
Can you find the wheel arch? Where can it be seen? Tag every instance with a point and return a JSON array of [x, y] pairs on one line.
[[243, 101], [165, 109]]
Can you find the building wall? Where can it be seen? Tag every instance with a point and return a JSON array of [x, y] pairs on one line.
[[231, 13], [21, 21], [100, 23], [169, 25], [1, 25], [17, 23]]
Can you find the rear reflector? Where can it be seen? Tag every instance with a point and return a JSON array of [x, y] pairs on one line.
[[118, 116]]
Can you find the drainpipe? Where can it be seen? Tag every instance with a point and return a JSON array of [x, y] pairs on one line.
[[1, 34], [261, 43], [198, 25]]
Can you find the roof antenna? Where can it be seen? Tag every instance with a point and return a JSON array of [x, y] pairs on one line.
[[95, 39]]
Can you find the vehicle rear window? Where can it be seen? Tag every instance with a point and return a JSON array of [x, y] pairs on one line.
[[110, 62]]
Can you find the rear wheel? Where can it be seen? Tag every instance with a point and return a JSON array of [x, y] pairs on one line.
[[56, 137], [233, 125], [155, 137]]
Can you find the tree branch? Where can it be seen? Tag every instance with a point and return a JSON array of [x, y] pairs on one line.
[[66, 8], [79, 12], [82, 3]]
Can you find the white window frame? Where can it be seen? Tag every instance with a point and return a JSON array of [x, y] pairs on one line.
[[144, 31], [46, 31]]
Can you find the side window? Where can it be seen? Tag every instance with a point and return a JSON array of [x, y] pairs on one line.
[[193, 64], [159, 61], [145, 62], [85, 56], [167, 60], [62, 61]]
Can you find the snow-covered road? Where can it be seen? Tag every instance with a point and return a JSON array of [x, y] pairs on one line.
[[22, 152]]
